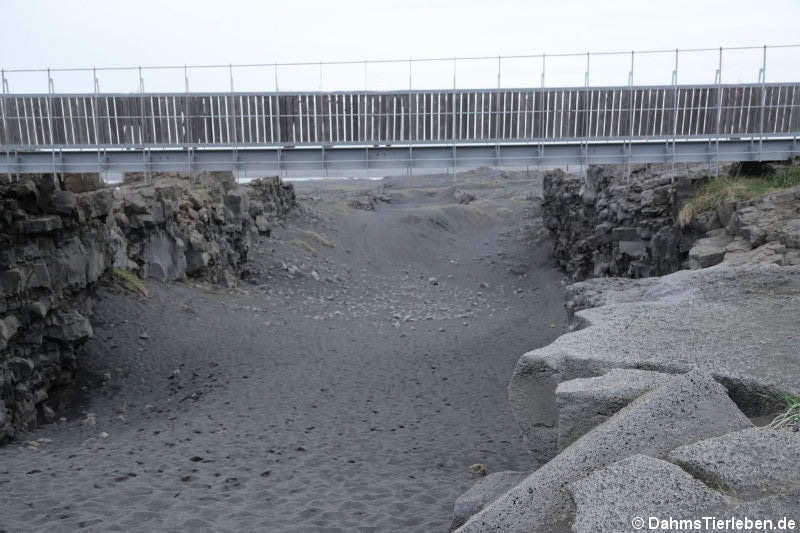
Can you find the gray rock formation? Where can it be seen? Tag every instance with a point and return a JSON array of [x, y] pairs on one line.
[[709, 250], [584, 403], [759, 231], [692, 319], [609, 500], [485, 490], [56, 244], [649, 492], [748, 464], [608, 225], [687, 408]]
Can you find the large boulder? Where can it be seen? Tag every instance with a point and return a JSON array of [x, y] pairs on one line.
[[636, 493], [236, 206], [584, 403], [164, 257], [747, 464], [68, 326], [686, 409], [644, 493], [709, 250]]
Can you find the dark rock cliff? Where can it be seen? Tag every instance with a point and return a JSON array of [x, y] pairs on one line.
[[608, 225], [56, 244]]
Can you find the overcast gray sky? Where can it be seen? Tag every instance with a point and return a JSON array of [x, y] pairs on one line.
[[64, 33]]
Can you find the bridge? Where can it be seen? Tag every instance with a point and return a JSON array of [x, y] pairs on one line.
[[336, 132]]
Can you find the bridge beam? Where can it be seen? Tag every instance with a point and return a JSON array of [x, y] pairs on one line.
[[350, 160]]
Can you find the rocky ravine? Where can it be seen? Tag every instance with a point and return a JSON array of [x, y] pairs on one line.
[[56, 244], [651, 406]]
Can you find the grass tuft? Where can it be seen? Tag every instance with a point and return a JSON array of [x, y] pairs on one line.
[[128, 280], [304, 245], [314, 236], [791, 415], [724, 189], [203, 193]]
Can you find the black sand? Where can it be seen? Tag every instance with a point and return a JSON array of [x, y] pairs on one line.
[[340, 388]]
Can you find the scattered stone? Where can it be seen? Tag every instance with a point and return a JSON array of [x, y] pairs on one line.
[[464, 197], [478, 469]]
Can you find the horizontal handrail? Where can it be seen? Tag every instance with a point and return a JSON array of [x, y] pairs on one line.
[[310, 63]]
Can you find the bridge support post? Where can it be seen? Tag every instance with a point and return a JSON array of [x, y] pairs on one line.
[[586, 123], [8, 167], [763, 80], [50, 90], [631, 111], [3, 93], [190, 163], [95, 110], [146, 157], [675, 94], [717, 131]]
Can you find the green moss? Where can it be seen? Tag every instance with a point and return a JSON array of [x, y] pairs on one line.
[[128, 280], [314, 236], [303, 244], [203, 193]]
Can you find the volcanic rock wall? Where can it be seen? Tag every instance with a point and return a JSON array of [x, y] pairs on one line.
[[609, 225], [56, 244]]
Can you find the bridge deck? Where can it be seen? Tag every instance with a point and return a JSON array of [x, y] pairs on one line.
[[39, 121]]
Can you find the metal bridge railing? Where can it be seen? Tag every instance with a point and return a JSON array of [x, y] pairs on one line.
[[490, 116]]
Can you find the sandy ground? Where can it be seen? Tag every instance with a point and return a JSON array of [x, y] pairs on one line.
[[340, 388]]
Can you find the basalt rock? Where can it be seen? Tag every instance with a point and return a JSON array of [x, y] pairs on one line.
[[606, 224], [58, 237]]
